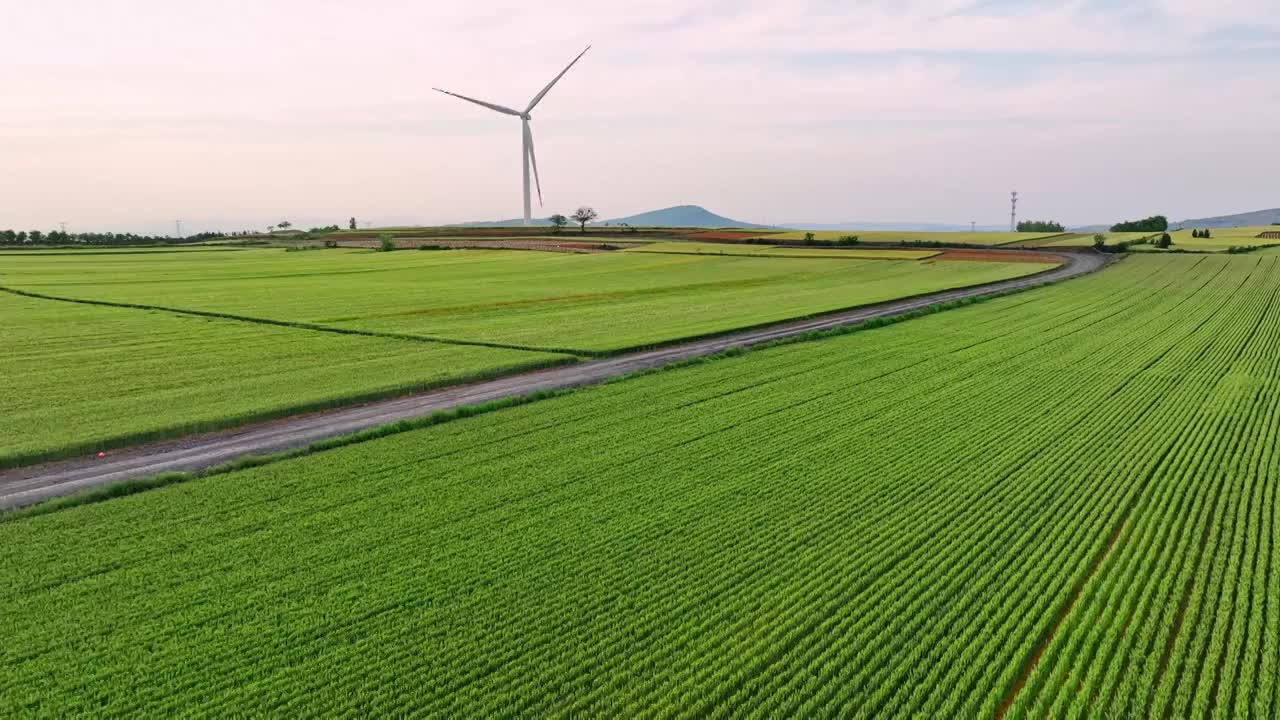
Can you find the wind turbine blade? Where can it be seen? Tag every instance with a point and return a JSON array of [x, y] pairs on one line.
[[538, 98], [528, 139], [491, 106]]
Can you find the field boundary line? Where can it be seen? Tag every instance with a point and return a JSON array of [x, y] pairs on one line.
[[1064, 260], [91, 479], [295, 324], [883, 308]]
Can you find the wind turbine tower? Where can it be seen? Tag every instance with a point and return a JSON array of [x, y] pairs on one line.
[[527, 156], [1013, 211]]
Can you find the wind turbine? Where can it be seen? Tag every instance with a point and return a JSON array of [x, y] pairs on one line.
[[526, 150]]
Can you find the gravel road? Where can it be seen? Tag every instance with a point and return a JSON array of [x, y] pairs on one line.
[[27, 485]]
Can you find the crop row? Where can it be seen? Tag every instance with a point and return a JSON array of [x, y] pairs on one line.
[[1057, 502]]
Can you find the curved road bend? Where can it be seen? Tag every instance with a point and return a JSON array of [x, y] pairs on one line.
[[27, 485]]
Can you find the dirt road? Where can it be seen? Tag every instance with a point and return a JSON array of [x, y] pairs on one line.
[[24, 486]]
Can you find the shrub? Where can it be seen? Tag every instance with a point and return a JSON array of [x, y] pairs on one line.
[[385, 243], [848, 240]]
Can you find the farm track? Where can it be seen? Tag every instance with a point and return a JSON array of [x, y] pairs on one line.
[[28, 485]]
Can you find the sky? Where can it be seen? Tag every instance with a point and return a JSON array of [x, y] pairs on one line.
[[129, 114]]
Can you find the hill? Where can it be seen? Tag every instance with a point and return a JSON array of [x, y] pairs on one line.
[[676, 216], [681, 216], [1245, 219]]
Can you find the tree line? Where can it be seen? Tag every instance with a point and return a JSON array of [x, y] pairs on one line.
[[1040, 226], [58, 237], [1155, 223]]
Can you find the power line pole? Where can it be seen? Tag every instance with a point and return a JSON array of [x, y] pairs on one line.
[[63, 224], [973, 226], [177, 225], [1013, 211]]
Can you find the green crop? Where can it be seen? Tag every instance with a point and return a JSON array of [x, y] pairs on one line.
[[82, 378], [711, 248], [552, 301], [1058, 503]]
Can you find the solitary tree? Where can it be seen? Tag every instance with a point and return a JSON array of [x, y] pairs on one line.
[[352, 224], [584, 215], [559, 221], [284, 225], [1164, 241]]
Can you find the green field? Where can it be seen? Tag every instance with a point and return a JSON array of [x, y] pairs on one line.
[[1086, 239], [893, 236], [711, 248], [544, 301], [81, 378], [1055, 504], [1221, 239]]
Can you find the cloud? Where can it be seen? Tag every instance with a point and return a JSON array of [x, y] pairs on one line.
[[818, 110]]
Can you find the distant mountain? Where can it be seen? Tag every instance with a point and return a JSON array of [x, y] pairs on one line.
[[677, 216], [1245, 219], [1257, 217], [681, 216]]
